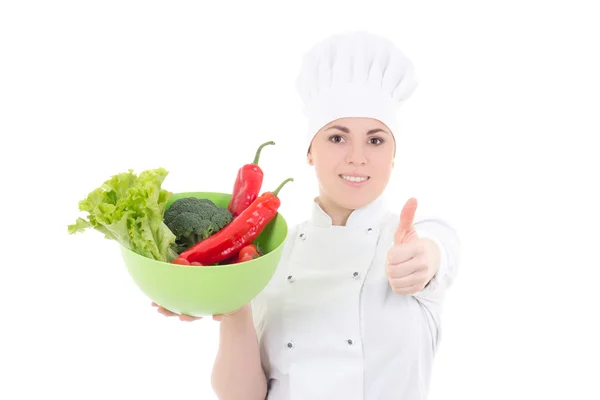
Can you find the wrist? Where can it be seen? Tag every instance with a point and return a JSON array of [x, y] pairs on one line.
[[238, 317]]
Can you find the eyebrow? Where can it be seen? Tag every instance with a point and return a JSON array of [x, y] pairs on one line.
[[346, 130]]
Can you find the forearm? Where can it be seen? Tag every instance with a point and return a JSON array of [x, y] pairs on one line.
[[237, 371]]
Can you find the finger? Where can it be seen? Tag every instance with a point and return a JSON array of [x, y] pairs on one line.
[[407, 217], [188, 318], [408, 290], [218, 317], [416, 278], [403, 270], [166, 312], [155, 305], [403, 252]]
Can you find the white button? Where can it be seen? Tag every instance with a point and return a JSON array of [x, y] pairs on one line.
[[350, 342], [356, 275], [303, 236], [290, 278], [369, 230], [290, 345]]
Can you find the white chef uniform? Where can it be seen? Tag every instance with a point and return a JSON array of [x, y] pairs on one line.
[[328, 323]]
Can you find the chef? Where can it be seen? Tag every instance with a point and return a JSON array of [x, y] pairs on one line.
[[353, 311]]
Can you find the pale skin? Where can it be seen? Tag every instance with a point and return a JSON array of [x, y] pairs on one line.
[[364, 147]]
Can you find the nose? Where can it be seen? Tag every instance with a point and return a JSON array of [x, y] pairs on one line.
[[356, 155]]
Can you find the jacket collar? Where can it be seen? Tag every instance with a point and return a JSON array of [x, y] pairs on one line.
[[370, 215]]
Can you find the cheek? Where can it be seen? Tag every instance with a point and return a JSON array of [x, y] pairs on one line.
[[326, 165], [383, 168], [324, 171], [384, 175]]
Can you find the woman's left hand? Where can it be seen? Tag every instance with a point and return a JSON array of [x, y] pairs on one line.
[[412, 262]]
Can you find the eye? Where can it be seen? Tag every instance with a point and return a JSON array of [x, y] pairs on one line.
[[336, 138], [374, 141]]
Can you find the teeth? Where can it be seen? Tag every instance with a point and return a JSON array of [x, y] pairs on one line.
[[354, 178]]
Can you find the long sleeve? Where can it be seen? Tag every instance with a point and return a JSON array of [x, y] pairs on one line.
[[446, 237], [432, 296]]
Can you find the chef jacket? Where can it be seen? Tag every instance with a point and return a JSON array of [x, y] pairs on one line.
[[328, 324]]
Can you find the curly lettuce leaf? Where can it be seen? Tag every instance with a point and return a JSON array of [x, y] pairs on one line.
[[129, 209]]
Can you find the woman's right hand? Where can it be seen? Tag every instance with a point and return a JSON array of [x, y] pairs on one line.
[[189, 318]]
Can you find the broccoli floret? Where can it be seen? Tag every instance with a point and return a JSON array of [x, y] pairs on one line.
[[221, 217], [192, 220], [188, 204], [189, 229]]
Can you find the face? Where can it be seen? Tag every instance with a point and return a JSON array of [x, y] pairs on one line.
[[353, 160]]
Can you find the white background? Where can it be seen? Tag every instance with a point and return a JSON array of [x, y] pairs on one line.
[[500, 139]]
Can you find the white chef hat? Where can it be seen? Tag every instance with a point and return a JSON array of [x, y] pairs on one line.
[[354, 74]]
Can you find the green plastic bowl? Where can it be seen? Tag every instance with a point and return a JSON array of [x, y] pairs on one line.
[[208, 290]]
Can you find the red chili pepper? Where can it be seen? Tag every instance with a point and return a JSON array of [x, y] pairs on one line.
[[238, 233], [247, 185]]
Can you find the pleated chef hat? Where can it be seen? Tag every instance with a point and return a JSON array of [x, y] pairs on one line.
[[354, 74]]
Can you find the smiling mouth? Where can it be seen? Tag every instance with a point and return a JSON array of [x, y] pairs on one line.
[[356, 179]]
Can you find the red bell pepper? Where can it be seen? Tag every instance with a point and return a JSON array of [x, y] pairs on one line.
[[247, 185], [240, 232]]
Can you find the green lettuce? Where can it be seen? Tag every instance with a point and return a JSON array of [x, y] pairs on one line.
[[129, 209]]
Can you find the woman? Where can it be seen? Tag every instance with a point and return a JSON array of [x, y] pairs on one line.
[[353, 310]]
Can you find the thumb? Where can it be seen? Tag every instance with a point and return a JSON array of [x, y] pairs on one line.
[[406, 232]]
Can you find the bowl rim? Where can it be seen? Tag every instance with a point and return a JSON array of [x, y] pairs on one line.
[[133, 253]]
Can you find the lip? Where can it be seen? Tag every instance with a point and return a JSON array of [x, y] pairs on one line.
[[355, 175], [355, 184]]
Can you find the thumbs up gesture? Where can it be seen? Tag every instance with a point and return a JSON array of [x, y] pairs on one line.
[[412, 261]]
